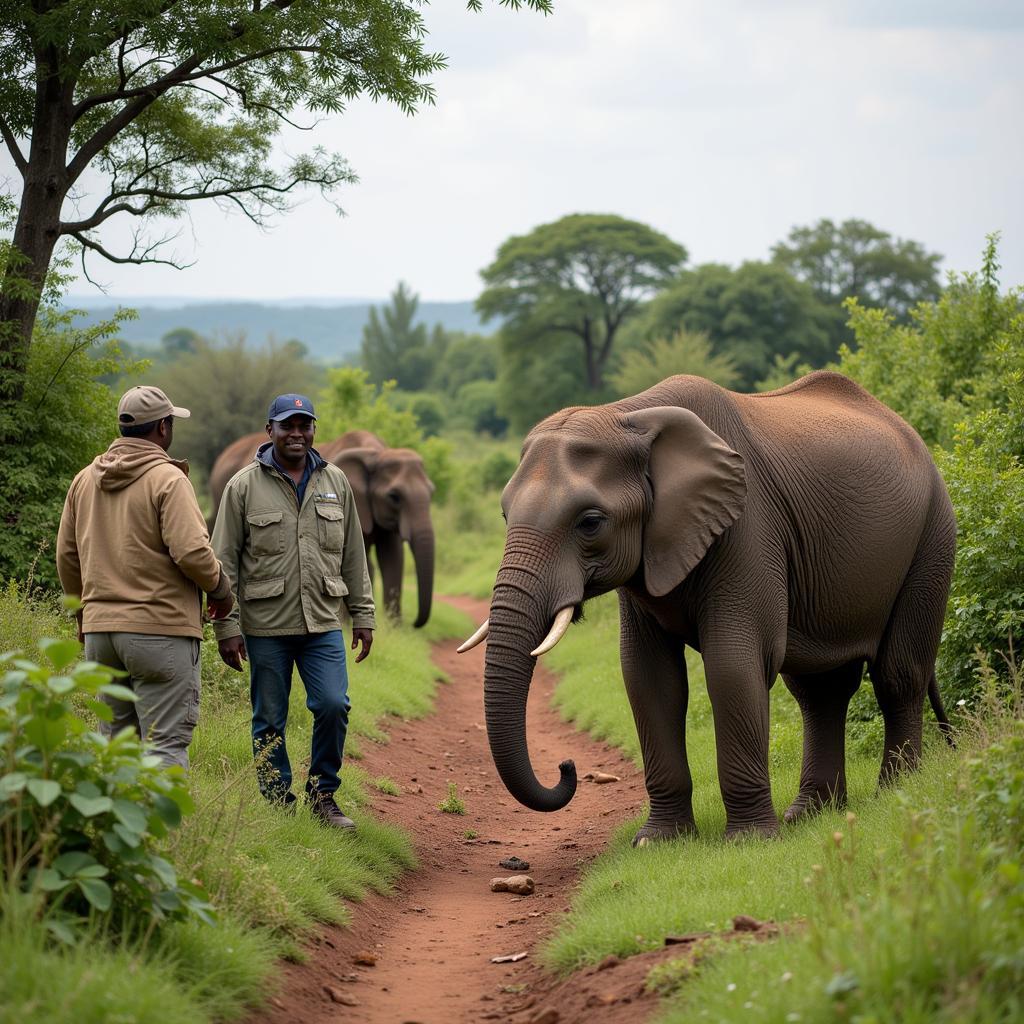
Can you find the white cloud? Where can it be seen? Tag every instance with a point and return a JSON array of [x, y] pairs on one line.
[[722, 125]]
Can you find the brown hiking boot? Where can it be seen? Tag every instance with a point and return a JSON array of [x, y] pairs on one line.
[[325, 808]]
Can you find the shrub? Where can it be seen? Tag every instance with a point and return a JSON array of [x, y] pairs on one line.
[[452, 803], [496, 470], [81, 815]]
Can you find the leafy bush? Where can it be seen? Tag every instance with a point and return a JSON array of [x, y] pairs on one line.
[[956, 373], [684, 352], [81, 814], [66, 417], [496, 470]]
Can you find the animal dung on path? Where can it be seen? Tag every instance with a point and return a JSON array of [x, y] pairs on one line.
[[508, 958], [521, 885], [514, 863], [600, 778]]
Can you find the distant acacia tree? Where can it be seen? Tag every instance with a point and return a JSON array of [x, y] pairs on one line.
[[167, 103], [578, 279], [856, 260]]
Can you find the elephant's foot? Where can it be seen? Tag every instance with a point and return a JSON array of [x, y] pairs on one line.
[[656, 832], [813, 800], [768, 829]]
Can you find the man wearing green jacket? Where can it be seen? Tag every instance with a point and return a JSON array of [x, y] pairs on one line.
[[289, 538]]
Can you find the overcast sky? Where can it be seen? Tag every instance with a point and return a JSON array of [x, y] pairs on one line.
[[720, 124]]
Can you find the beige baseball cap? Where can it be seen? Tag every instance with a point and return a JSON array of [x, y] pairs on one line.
[[146, 404]]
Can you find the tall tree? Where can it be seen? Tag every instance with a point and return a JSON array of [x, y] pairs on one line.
[[397, 348], [579, 278], [169, 102], [857, 260]]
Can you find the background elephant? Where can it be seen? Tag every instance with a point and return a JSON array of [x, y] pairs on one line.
[[237, 455], [805, 532], [392, 492]]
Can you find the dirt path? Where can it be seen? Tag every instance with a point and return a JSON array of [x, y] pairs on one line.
[[434, 939]]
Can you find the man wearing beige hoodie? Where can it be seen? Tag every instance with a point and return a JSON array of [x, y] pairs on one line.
[[133, 546]]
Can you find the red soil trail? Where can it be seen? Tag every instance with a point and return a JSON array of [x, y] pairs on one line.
[[433, 939]]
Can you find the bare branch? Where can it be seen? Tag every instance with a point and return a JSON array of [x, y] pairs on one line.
[[102, 213], [135, 256], [12, 144]]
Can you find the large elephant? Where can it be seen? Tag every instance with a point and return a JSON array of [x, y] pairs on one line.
[[392, 493], [805, 532]]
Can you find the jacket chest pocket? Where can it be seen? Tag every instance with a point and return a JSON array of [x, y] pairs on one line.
[[330, 526], [266, 532]]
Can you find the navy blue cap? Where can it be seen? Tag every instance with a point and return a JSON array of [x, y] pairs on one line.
[[288, 405]]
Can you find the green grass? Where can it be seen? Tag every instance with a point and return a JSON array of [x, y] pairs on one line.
[[387, 786], [273, 876], [910, 916]]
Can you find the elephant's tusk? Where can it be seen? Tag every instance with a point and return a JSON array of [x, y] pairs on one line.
[[558, 628], [479, 635]]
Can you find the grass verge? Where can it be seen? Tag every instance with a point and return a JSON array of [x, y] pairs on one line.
[[908, 910], [273, 876]]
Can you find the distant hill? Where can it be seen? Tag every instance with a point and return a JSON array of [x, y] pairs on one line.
[[330, 330]]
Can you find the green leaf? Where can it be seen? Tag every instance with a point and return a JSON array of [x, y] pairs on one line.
[[168, 810], [60, 685], [60, 652], [89, 807], [11, 783], [118, 692], [49, 880], [127, 836], [45, 791], [97, 892], [164, 870], [101, 709], [61, 930], [130, 815], [72, 862], [46, 733]]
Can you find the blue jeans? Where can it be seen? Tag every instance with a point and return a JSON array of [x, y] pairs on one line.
[[320, 659]]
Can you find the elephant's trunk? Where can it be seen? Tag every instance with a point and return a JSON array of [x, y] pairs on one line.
[[422, 545], [514, 632]]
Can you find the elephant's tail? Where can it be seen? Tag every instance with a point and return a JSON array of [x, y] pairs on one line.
[[940, 712]]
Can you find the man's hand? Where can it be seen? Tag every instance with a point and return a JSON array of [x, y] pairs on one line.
[[232, 652], [364, 637], [219, 609]]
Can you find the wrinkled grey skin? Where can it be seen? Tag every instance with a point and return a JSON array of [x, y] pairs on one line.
[[392, 493], [805, 532]]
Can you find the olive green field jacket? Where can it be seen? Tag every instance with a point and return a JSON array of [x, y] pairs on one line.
[[291, 568]]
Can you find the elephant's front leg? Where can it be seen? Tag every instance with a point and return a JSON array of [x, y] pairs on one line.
[[654, 670], [738, 673], [390, 555]]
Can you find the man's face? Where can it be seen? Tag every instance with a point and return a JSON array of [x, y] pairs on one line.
[[292, 438]]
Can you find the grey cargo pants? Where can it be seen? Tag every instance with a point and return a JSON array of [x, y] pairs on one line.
[[163, 672]]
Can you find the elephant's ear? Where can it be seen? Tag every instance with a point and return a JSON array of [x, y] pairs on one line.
[[357, 464], [699, 490]]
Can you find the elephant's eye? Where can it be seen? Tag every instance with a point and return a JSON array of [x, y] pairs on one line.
[[394, 496], [589, 524]]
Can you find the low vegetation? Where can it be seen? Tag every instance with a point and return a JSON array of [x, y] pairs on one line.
[[249, 882]]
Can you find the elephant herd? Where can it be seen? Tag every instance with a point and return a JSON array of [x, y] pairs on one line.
[[392, 494], [804, 532]]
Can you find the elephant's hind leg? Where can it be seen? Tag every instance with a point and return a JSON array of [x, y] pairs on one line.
[[905, 662], [654, 671], [823, 699]]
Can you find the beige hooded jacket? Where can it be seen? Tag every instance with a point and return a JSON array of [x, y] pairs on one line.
[[133, 544]]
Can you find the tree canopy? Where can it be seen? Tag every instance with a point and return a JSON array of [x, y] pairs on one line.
[[855, 260], [751, 314], [578, 279], [168, 103]]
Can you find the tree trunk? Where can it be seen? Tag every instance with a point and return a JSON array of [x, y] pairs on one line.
[[38, 226]]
